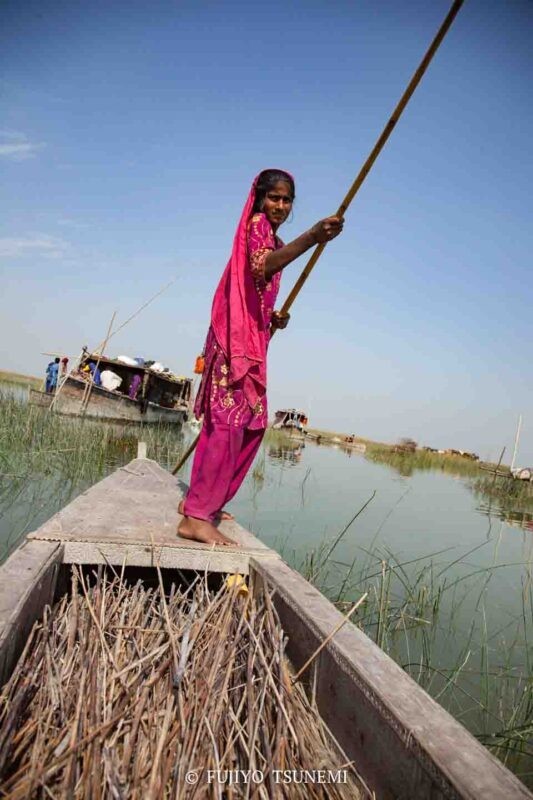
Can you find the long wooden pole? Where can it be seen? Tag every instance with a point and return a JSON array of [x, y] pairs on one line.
[[365, 169], [378, 147], [136, 313], [517, 439], [101, 351]]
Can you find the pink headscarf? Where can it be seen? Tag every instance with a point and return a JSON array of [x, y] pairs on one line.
[[236, 316]]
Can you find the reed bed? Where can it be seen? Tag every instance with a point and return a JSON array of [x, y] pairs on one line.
[[16, 379], [35, 441], [125, 692], [47, 459], [430, 615], [511, 495], [422, 460]]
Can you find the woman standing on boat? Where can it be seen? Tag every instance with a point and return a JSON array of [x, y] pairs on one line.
[[232, 394]]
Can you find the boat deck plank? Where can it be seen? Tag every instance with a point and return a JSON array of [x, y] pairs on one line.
[[136, 506]]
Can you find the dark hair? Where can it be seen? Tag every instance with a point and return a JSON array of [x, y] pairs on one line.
[[56, 360], [268, 179]]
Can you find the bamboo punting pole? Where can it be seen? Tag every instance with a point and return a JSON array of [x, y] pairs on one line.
[[63, 382], [186, 455], [365, 169], [378, 147]]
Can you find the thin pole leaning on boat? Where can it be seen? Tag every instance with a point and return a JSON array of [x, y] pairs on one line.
[[103, 343], [100, 351], [136, 313], [61, 383], [517, 439], [365, 169]]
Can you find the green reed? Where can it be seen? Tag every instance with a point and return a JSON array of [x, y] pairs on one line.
[[421, 460], [510, 493], [46, 459], [420, 613], [16, 379]]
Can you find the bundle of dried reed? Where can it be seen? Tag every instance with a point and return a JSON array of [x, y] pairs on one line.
[[128, 692]]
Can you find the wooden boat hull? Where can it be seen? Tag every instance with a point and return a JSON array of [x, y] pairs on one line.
[[402, 742], [41, 399], [106, 405]]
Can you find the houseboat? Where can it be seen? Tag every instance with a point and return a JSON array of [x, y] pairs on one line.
[[88, 606], [120, 389], [291, 421]]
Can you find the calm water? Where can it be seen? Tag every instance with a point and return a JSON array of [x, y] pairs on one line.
[[310, 494]]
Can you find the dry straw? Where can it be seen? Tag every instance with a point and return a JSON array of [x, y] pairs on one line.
[[123, 689]]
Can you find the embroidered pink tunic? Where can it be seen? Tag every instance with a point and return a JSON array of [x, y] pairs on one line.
[[221, 403]]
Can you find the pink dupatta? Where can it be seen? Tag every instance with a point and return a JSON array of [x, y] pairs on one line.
[[236, 316]]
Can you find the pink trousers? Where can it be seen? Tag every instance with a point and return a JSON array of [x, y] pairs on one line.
[[223, 456]]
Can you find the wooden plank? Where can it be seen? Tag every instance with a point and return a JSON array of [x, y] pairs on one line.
[[27, 584], [201, 560], [133, 510], [403, 743]]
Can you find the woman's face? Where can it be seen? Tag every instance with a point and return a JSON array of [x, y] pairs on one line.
[[278, 203]]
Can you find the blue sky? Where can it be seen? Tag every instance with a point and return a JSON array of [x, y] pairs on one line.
[[130, 133]]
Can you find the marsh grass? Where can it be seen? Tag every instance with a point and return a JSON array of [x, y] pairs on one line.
[[433, 622], [421, 460], [16, 379], [47, 459], [511, 499], [511, 494]]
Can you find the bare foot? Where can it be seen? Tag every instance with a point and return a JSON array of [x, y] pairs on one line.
[[199, 530], [223, 515]]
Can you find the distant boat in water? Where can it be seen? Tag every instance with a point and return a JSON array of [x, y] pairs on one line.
[[291, 421], [140, 393]]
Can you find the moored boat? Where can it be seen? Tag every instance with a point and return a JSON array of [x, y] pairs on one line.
[[291, 421], [38, 398], [156, 396], [403, 744]]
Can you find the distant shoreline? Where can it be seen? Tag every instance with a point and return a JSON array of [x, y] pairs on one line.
[[16, 377], [330, 437], [384, 449]]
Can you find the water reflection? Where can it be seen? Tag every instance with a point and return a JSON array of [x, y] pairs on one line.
[[516, 519], [287, 452]]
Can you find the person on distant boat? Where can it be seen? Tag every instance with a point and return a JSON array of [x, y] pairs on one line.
[[52, 371], [95, 372], [232, 393], [135, 385]]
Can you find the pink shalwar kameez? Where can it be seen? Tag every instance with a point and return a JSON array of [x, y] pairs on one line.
[[232, 394]]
